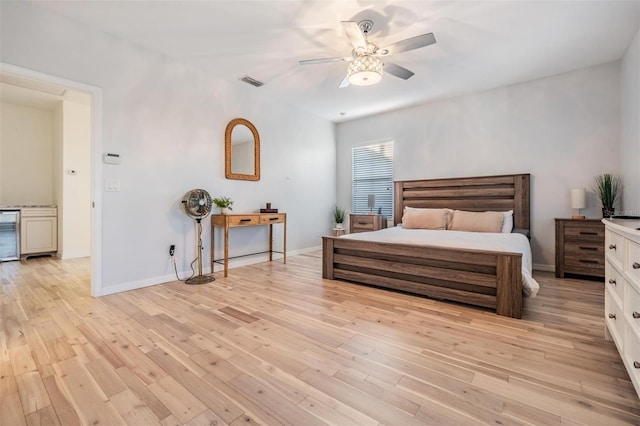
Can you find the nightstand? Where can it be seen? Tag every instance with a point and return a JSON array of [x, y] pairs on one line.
[[366, 222], [579, 247]]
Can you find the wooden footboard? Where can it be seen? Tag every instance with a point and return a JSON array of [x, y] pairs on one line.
[[482, 278]]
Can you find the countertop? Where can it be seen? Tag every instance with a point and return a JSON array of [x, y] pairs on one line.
[[25, 206], [630, 227]]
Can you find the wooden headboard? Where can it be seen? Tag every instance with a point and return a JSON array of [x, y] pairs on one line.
[[495, 193]]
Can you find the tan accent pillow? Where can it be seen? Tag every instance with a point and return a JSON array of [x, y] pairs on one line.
[[414, 218], [476, 221]]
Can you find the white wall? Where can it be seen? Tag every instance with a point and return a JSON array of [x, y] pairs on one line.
[[26, 143], [563, 130], [167, 122], [74, 208], [630, 127]]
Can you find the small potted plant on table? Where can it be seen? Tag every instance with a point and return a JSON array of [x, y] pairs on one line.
[[338, 216], [224, 203], [608, 187]]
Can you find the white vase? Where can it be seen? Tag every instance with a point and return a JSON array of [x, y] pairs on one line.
[[224, 210], [338, 226]]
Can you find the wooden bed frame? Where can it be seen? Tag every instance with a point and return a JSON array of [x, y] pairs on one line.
[[483, 278]]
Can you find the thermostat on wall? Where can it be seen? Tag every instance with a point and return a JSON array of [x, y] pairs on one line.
[[110, 158]]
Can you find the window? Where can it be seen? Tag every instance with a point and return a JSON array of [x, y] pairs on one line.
[[373, 175]]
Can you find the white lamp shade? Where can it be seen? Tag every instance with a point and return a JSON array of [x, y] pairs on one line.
[[578, 198]]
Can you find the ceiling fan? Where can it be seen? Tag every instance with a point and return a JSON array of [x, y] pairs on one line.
[[365, 66]]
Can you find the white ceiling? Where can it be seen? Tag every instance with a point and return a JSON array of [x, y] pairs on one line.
[[480, 44]]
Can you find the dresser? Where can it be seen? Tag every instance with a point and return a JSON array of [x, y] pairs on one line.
[[366, 222], [231, 221], [579, 247], [622, 293]]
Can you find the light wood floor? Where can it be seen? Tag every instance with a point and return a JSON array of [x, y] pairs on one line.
[[276, 344]]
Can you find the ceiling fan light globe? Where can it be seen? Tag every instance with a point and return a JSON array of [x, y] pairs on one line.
[[365, 70]]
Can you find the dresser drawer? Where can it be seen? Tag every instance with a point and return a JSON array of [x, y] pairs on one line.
[[580, 247], [584, 258], [38, 212], [614, 318], [361, 226], [266, 219], [633, 307], [244, 220], [580, 232], [585, 250], [615, 282], [614, 248], [632, 357], [633, 262], [583, 267], [363, 220]]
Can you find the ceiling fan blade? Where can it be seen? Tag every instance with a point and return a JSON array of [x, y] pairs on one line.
[[398, 71], [409, 44], [345, 82], [352, 30], [325, 60]]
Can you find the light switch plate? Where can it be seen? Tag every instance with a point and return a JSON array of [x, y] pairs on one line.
[[113, 184]]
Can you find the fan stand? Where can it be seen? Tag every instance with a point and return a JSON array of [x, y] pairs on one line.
[[200, 279]]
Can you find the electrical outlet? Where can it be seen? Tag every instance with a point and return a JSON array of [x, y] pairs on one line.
[[172, 249]]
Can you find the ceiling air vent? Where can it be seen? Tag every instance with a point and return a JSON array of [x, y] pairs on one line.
[[251, 81]]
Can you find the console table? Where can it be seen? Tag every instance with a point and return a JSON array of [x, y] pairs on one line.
[[227, 221]]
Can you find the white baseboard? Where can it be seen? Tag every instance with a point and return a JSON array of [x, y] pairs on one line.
[[163, 279]]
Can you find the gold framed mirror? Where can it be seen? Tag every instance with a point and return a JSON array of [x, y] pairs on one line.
[[241, 150]]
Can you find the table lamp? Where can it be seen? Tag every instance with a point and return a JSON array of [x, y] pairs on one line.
[[578, 201], [371, 202]]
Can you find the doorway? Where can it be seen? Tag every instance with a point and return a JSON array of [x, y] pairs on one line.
[[74, 166]]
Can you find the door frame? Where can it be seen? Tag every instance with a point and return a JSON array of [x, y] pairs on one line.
[[96, 157]]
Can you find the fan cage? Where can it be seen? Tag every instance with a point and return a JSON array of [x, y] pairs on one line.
[[197, 203]]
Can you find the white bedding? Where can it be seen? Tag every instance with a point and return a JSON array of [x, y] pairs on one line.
[[510, 243]]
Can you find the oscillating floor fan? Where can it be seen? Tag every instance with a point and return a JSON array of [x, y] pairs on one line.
[[197, 205]]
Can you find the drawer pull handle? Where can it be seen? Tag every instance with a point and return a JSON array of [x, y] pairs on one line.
[[273, 218], [594, 262], [612, 246], [363, 223], [636, 364], [245, 220], [636, 315], [612, 316], [589, 248], [612, 281], [636, 265], [588, 233]]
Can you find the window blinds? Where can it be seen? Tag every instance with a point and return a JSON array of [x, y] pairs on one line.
[[373, 174]]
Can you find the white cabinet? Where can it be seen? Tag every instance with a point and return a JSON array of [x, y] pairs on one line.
[[38, 230], [622, 294]]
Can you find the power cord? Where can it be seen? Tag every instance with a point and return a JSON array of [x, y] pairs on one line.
[[175, 268]]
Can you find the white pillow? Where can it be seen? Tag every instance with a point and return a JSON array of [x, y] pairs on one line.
[[507, 222]]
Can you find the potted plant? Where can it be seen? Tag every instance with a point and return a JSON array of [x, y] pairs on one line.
[[608, 187], [224, 203], [338, 216]]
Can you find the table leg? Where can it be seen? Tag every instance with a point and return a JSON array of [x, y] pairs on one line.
[[213, 248], [285, 240], [270, 243], [226, 251]]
